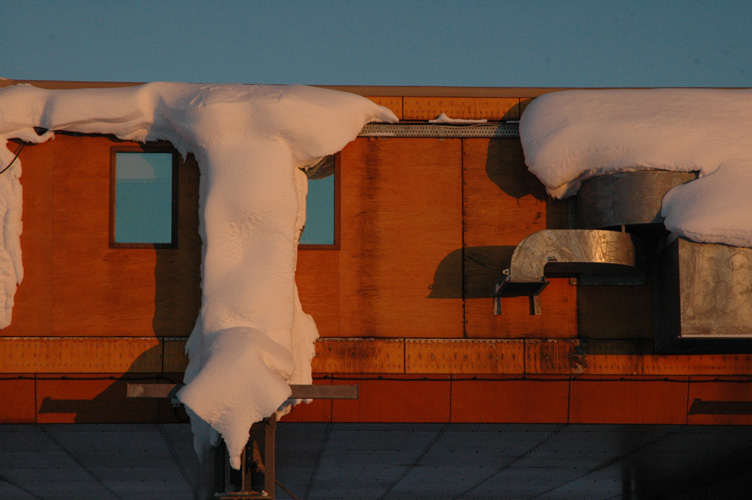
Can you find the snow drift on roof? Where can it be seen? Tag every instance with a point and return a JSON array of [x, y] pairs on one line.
[[251, 338], [573, 135]]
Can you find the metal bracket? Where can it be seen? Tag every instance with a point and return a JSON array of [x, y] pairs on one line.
[[532, 290], [299, 391], [257, 460]]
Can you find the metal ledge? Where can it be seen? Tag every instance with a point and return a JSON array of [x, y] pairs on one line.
[[138, 390]]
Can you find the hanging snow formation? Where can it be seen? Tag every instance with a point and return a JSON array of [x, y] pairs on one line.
[[573, 135], [251, 338]]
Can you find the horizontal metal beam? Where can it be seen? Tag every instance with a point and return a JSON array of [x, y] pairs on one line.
[[139, 390], [488, 130], [324, 391]]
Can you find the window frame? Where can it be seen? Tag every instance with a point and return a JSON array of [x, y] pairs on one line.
[[336, 244], [147, 148]]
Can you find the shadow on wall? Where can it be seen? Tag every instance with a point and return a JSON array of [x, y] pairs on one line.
[[177, 272], [480, 267], [506, 168], [483, 266], [99, 398]]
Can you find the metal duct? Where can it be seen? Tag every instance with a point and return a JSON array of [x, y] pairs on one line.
[[703, 298], [567, 251], [626, 199]]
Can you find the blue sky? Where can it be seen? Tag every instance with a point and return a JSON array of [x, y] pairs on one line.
[[464, 43]]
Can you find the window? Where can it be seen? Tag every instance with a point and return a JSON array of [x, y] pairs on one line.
[[321, 205], [144, 189]]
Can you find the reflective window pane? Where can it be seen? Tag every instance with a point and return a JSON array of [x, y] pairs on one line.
[[143, 197], [319, 227]]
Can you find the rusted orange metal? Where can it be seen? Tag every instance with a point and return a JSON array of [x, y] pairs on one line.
[[464, 356], [633, 400], [80, 355], [17, 396], [79, 399], [544, 356], [390, 400], [537, 400], [394, 103], [720, 402], [489, 108], [359, 356]]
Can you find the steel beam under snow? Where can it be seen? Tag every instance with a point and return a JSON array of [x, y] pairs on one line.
[[140, 390]]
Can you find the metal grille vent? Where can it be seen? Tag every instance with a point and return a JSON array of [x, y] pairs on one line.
[[490, 130]]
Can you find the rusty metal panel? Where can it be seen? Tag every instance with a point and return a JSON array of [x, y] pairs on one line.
[[386, 400], [81, 400], [17, 396], [359, 356], [633, 400], [117, 291], [553, 356], [464, 356], [489, 108], [703, 364], [537, 400], [317, 277], [80, 355], [614, 357], [617, 357], [394, 103], [401, 203], [174, 358], [720, 402]]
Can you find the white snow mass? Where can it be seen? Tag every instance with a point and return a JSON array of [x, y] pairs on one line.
[[570, 136], [251, 338]]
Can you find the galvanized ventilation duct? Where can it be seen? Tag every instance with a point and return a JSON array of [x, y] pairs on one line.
[[564, 251]]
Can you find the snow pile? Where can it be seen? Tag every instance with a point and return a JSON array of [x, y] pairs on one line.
[[443, 118], [573, 135], [251, 338], [11, 268]]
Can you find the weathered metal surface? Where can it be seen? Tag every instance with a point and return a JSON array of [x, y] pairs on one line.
[[625, 198], [18, 397], [631, 401], [80, 355], [359, 356], [464, 356], [554, 356], [538, 400], [567, 251], [394, 103], [703, 301], [399, 398], [490, 108], [491, 130], [571, 251]]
